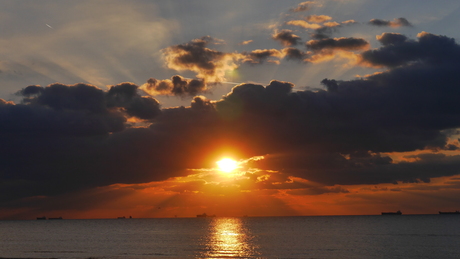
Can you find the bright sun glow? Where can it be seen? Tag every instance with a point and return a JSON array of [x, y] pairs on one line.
[[227, 165]]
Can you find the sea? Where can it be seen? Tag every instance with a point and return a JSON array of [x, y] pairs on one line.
[[394, 236]]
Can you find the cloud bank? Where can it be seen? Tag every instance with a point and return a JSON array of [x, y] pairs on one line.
[[71, 137], [396, 125]]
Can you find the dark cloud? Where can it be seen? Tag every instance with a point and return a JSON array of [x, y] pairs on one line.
[[398, 50], [177, 86], [294, 53], [403, 109], [34, 120], [397, 22], [331, 85], [286, 37], [57, 96], [331, 169], [259, 56], [65, 138], [125, 95], [337, 44], [200, 103], [30, 90], [86, 101], [389, 38]]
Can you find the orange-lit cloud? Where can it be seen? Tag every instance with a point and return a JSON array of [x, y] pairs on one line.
[[246, 42], [327, 49], [331, 24], [318, 18], [328, 55], [254, 193], [304, 24]]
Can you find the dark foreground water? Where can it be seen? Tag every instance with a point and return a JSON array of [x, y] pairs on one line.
[[407, 236]]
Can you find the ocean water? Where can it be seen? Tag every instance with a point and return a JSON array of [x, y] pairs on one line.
[[406, 236]]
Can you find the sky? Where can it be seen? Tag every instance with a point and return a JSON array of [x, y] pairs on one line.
[[328, 107]]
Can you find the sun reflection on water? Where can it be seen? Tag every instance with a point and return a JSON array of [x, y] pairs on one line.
[[229, 239]]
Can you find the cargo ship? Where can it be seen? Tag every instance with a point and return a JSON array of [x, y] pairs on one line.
[[204, 215], [449, 212], [392, 213]]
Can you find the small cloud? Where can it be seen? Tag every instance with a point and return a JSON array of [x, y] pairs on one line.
[[349, 22], [397, 22], [331, 24], [318, 18], [246, 42], [304, 6], [294, 53], [338, 44], [304, 24], [259, 56], [286, 37]]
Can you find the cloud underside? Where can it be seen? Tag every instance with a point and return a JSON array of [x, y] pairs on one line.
[[65, 138]]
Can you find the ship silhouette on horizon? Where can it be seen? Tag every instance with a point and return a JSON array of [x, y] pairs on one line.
[[449, 212], [204, 215], [392, 213]]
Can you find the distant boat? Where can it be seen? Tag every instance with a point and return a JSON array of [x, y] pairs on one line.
[[41, 218], [392, 213], [121, 217], [56, 218], [204, 215], [449, 212]]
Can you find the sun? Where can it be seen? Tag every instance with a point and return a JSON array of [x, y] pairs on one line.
[[227, 165]]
